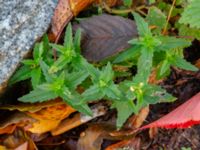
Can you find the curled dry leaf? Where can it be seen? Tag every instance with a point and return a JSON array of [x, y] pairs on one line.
[[105, 36], [184, 116], [49, 118], [17, 140], [79, 119]]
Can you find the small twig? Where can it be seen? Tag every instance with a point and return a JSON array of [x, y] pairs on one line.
[[168, 17]]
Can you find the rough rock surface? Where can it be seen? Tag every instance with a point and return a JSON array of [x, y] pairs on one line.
[[22, 22]]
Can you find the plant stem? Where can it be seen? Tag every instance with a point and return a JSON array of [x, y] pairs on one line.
[[168, 17]]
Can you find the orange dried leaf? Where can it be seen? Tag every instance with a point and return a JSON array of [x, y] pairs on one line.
[[78, 119], [49, 118], [184, 116], [62, 15], [9, 129]]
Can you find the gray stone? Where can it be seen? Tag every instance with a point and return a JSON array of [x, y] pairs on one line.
[[22, 22]]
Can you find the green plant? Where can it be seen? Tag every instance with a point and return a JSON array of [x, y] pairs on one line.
[[190, 14], [62, 77], [31, 68], [149, 48]]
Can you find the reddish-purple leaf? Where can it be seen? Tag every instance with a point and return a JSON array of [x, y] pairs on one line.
[[184, 116]]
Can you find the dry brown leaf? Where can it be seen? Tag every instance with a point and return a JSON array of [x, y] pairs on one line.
[[9, 129], [9, 124], [105, 36], [62, 15], [17, 139], [132, 144], [92, 138], [197, 63], [78, 119], [132, 124], [136, 121], [49, 118]]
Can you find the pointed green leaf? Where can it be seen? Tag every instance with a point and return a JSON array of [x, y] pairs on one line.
[[77, 41], [172, 43], [22, 74], [38, 95], [132, 52], [163, 69], [68, 40], [107, 73], [145, 63], [142, 25], [28, 62], [123, 112], [93, 93], [45, 69], [76, 78], [183, 64], [35, 77], [59, 64]]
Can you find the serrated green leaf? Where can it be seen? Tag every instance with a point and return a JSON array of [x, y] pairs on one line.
[[77, 41], [142, 25], [130, 53], [172, 43], [94, 72], [37, 51], [183, 64], [145, 63], [22, 74], [59, 64], [68, 40], [124, 111], [163, 69], [36, 77], [76, 78], [92, 93], [38, 95], [83, 108], [107, 73], [59, 48], [45, 69], [191, 14], [113, 92]]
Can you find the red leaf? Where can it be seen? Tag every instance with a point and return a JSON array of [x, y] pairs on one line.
[[184, 116]]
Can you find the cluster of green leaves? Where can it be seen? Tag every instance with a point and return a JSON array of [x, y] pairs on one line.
[[190, 14], [61, 78]]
